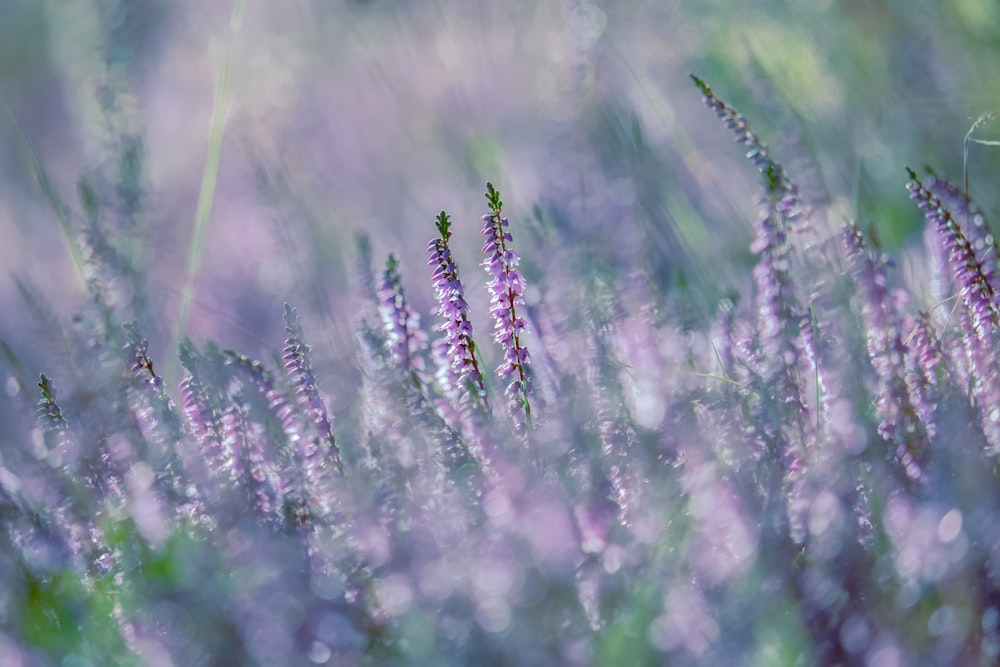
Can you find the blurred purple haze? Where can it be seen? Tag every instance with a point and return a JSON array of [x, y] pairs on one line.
[[370, 117]]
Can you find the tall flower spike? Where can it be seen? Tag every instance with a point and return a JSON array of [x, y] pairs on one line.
[[406, 339], [202, 406], [263, 481], [900, 422], [980, 297], [789, 203], [923, 356], [137, 356], [973, 223], [779, 315], [295, 356], [963, 207], [506, 293], [277, 401], [155, 412], [49, 412], [967, 265], [459, 347]]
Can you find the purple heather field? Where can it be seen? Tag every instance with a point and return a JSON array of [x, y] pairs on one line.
[[707, 377]]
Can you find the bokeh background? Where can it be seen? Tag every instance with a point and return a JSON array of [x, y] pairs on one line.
[[218, 158], [344, 118]]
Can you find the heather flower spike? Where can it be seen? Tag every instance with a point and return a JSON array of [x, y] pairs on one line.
[[779, 314], [200, 404], [923, 356], [457, 346], [278, 402], [48, 407], [776, 182], [900, 423], [974, 225], [406, 340], [970, 268], [137, 351], [506, 293], [967, 265], [295, 356], [155, 410]]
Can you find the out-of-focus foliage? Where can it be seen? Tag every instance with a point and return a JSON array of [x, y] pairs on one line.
[[738, 429]]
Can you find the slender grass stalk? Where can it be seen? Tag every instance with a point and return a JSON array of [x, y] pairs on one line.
[[979, 122], [206, 195], [34, 165]]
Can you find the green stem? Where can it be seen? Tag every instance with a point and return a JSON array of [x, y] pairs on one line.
[[209, 181]]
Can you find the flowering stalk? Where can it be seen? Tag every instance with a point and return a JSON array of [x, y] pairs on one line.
[[203, 404], [406, 340], [968, 267], [900, 423], [68, 523], [278, 401], [779, 314], [506, 293], [974, 224], [295, 356], [137, 356], [971, 269], [250, 467], [788, 200], [49, 413], [155, 411], [923, 357], [457, 343], [263, 482], [781, 209], [300, 486]]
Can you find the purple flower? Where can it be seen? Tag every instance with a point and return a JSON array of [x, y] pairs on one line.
[[406, 340], [974, 273], [778, 312], [49, 413], [278, 401], [506, 291], [137, 350], [900, 423], [249, 468], [788, 202], [262, 480], [781, 210], [779, 355], [295, 356], [973, 223], [156, 407], [973, 277], [923, 356], [457, 349], [200, 408]]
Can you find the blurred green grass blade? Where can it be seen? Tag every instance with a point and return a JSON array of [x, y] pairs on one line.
[[982, 120], [16, 368], [48, 189], [209, 179]]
